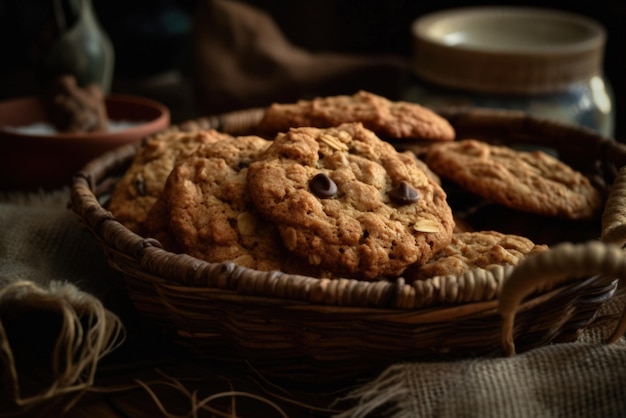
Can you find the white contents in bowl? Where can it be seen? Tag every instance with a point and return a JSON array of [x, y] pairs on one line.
[[44, 128]]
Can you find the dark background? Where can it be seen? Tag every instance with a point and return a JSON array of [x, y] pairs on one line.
[[152, 39]]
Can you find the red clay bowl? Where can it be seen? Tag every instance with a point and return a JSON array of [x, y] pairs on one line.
[[32, 160]]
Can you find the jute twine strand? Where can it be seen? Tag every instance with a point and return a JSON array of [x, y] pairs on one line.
[[88, 332]]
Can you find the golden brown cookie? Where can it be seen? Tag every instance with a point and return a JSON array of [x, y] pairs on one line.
[[388, 119], [532, 182], [157, 225], [141, 185], [480, 249], [349, 202], [422, 165], [205, 210]]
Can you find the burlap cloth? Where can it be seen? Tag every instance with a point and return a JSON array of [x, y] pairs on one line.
[[54, 328], [42, 243]]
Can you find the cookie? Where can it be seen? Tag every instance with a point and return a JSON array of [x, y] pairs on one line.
[[141, 185], [423, 166], [157, 225], [349, 202], [388, 119], [479, 249], [533, 182], [205, 210]]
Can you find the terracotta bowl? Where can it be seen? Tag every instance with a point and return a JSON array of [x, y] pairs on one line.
[[33, 160]]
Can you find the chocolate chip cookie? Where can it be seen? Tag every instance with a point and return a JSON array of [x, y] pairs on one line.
[[479, 249], [388, 119], [141, 185], [206, 206], [347, 201], [529, 181]]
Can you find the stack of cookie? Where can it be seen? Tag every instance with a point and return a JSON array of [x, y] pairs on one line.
[[323, 189]]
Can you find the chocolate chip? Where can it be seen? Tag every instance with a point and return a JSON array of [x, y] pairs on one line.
[[323, 186], [403, 194], [140, 185]]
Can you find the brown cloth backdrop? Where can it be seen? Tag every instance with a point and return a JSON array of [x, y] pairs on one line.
[[241, 59]]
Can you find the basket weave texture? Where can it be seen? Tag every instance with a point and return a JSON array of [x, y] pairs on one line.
[[304, 328]]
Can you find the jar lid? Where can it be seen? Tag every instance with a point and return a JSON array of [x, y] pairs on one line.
[[519, 50]]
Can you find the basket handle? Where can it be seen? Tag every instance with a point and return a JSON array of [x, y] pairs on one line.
[[546, 269], [614, 216], [565, 261]]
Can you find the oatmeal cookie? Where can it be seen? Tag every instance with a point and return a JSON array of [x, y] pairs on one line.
[[141, 185], [349, 202], [423, 166], [157, 225], [479, 249], [532, 182], [388, 119], [205, 210]]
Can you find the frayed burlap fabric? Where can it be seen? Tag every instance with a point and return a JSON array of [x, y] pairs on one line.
[[585, 378], [54, 328]]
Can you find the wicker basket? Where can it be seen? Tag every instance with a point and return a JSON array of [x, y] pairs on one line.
[[307, 329]]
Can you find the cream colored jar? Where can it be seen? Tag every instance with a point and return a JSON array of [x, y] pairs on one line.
[[543, 61]]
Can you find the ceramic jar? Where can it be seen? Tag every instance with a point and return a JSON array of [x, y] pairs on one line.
[[546, 62]]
